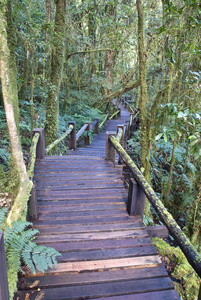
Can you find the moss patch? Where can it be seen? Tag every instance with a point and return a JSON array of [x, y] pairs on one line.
[[188, 281]]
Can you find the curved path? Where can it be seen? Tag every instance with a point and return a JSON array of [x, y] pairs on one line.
[[106, 253]]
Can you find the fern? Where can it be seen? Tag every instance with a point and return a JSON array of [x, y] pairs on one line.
[[19, 247]]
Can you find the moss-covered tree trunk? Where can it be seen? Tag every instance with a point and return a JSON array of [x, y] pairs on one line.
[[12, 41], [58, 54], [8, 81], [144, 124]]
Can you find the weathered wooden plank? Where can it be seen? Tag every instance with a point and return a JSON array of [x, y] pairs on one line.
[[84, 220], [107, 254], [100, 244], [69, 208], [56, 229], [80, 266], [94, 277], [112, 289], [159, 295], [133, 233], [64, 187], [118, 191], [76, 214], [158, 231], [78, 202]]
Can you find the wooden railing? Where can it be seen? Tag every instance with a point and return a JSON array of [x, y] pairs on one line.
[[138, 188], [127, 105]]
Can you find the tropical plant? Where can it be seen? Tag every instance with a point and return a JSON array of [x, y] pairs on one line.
[[21, 250]]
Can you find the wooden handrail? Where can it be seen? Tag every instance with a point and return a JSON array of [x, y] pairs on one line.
[[56, 142], [128, 104], [81, 131], [104, 120], [93, 124], [112, 116], [187, 248], [32, 158]]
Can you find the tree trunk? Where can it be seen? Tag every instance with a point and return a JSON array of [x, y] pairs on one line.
[[58, 54], [144, 126], [12, 41], [19, 209]]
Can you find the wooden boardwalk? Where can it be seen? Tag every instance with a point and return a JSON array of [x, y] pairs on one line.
[[106, 253]]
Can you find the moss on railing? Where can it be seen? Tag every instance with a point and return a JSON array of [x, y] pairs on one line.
[[112, 116], [104, 120], [32, 158], [56, 142], [187, 248]]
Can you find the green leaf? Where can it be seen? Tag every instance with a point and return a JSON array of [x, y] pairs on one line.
[[158, 136]]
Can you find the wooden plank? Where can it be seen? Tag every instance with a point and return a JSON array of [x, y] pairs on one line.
[[118, 191], [159, 295], [99, 201], [101, 244], [68, 187], [93, 236], [77, 214], [94, 277], [146, 261], [84, 220], [107, 254], [158, 231], [56, 229], [69, 208], [112, 289]]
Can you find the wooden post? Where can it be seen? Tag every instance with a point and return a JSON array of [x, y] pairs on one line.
[[72, 136], [40, 149], [96, 127], [110, 151], [33, 204], [122, 127], [86, 138], [128, 129], [136, 199], [119, 113], [4, 294], [125, 136]]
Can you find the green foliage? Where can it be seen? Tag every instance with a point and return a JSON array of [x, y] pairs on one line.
[[188, 281], [20, 248]]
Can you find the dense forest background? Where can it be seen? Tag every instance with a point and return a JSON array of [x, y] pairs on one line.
[[66, 61]]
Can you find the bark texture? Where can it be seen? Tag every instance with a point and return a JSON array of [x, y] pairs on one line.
[[58, 54], [144, 124], [19, 208]]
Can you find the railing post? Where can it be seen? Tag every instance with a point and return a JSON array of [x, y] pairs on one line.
[[40, 149], [119, 113], [33, 204], [125, 136], [122, 138], [72, 136], [110, 151], [136, 199], [86, 138], [4, 294], [128, 129], [96, 127]]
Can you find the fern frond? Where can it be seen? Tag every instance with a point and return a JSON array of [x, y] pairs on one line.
[[3, 212]]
